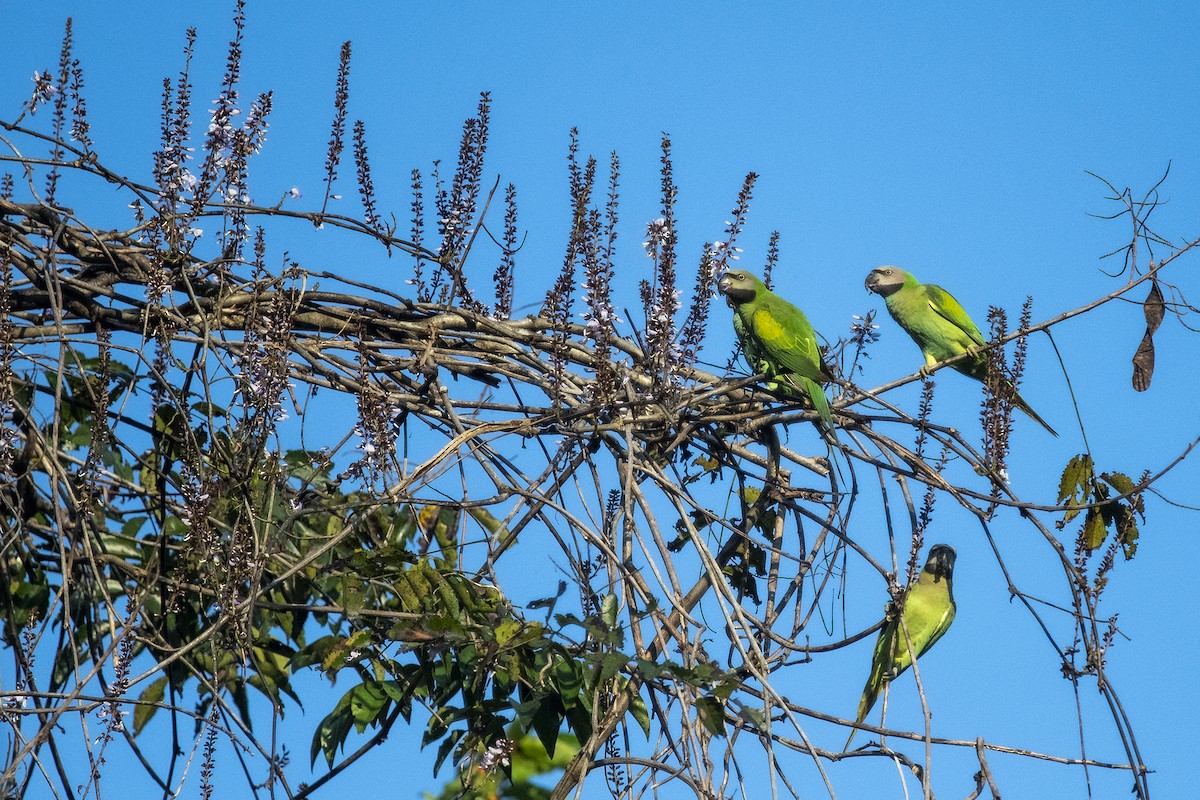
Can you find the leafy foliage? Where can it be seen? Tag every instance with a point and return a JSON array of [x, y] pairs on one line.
[[218, 475], [1109, 501]]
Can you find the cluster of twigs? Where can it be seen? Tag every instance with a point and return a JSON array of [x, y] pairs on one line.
[[646, 479]]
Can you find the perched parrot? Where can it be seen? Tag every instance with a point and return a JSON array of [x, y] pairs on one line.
[[938, 324], [928, 612], [777, 339]]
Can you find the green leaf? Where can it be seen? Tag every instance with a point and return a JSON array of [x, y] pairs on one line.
[[332, 732], [317, 652], [443, 592], [649, 669], [271, 660], [1094, 531], [345, 650], [712, 714], [566, 620], [500, 534], [754, 715], [207, 409], [611, 664], [506, 630], [367, 700], [1127, 531], [167, 431], [579, 717], [640, 714], [1119, 481], [241, 699], [441, 522], [766, 523], [608, 611], [547, 722], [531, 749], [444, 749], [724, 689], [143, 711], [121, 547], [1074, 484], [568, 678], [439, 724], [682, 537], [28, 598], [401, 689], [132, 525]]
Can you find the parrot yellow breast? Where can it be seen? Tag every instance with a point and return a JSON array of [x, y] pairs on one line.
[[767, 327]]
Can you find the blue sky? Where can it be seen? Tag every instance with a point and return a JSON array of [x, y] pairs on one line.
[[953, 141]]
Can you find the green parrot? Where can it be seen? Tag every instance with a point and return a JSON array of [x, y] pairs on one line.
[[938, 324], [928, 612], [777, 339]]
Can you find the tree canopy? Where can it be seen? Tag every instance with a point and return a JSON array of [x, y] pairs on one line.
[[224, 469]]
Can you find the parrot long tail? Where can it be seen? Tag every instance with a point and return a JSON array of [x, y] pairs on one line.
[[816, 395], [864, 708], [798, 385], [1020, 403], [820, 403], [979, 371]]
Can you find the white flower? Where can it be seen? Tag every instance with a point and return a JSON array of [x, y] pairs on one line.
[[497, 755], [45, 84]]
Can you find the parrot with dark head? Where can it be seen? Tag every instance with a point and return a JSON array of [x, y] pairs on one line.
[[777, 339], [928, 612]]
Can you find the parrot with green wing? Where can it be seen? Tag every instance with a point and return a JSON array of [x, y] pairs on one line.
[[939, 326], [777, 339], [928, 612]]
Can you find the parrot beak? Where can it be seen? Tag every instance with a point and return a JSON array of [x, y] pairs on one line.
[[871, 280], [724, 284]]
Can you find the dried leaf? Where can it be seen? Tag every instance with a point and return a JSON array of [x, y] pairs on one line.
[[1143, 364], [1143, 360], [1154, 308]]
